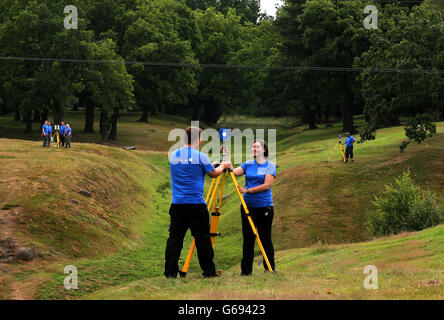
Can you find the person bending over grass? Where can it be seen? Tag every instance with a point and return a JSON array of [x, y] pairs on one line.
[[259, 176], [188, 208]]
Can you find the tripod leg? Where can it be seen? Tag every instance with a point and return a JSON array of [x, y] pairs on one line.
[[215, 213], [250, 220]]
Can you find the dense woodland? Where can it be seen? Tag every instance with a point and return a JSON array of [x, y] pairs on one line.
[[205, 58]]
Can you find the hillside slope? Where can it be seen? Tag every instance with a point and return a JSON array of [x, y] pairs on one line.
[[409, 266], [117, 237]]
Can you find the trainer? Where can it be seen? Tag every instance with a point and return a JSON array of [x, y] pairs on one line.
[[188, 209], [259, 176], [349, 141]]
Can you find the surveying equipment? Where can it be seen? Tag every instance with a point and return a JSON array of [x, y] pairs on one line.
[[211, 200], [57, 134], [336, 147]]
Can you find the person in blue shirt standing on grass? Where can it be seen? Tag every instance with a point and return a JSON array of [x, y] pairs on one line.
[[62, 133], [188, 208], [259, 176], [349, 141], [48, 143], [45, 133], [68, 136]]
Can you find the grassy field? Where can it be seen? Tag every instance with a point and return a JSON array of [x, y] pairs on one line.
[[117, 237]]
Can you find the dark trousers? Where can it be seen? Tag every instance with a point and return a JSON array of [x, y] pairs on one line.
[[348, 153], [68, 141], [46, 140], [62, 140], [263, 220], [182, 218]]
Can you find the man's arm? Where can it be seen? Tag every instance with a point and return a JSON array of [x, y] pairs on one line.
[[218, 171]]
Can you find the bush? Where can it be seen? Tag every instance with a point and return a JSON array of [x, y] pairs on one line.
[[404, 207]]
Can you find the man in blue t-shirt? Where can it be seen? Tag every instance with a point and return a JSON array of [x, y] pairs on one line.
[[62, 133], [45, 133], [349, 141], [68, 136], [188, 209], [49, 127]]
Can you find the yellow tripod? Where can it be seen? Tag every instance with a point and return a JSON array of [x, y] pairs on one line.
[[211, 200], [336, 147]]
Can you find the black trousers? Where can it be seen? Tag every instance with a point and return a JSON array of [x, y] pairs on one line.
[[62, 140], [348, 153], [263, 220], [68, 141], [182, 218]]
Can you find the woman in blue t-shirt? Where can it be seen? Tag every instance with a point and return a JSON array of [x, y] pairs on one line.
[[259, 176]]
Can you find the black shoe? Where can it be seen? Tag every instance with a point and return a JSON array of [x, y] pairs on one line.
[[169, 275], [244, 274], [211, 275]]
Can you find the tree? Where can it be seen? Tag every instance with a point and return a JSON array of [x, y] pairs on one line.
[[324, 33], [412, 91], [162, 32], [248, 10]]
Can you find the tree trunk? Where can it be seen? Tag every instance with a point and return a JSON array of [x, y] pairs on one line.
[[309, 116], [113, 132], [57, 112], [144, 117], [44, 116], [3, 109], [17, 115], [104, 125], [347, 107], [89, 117], [27, 118], [36, 118]]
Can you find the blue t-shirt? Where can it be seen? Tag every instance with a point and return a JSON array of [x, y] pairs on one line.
[[68, 131], [188, 167], [255, 176], [45, 129], [49, 129], [349, 141], [62, 129]]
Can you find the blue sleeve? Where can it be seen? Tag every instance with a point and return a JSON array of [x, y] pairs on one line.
[[244, 167], [271, 169], [205, 163]]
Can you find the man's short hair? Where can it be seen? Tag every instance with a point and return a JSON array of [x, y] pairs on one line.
[[192, 134]]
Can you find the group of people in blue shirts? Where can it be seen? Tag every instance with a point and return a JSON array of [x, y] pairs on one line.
[[62, 134], [188, 210]]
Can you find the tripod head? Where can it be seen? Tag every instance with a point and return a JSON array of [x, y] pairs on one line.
[[224, 136]]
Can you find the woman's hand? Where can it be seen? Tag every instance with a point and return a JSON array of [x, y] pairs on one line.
[[242, 189]]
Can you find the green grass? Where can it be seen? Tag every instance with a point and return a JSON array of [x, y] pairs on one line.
[[408, 267], [117, 238]]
